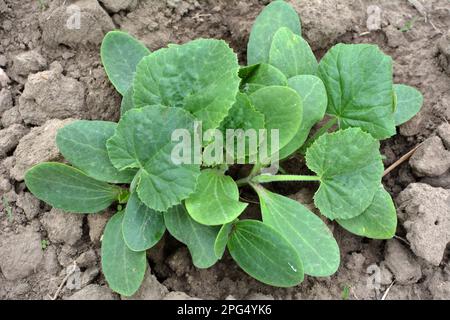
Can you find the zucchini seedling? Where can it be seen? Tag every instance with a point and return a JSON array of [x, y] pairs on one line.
[[173, 94]]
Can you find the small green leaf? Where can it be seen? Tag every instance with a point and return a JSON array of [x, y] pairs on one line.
[[215, 200], [198, 238], [276, 15], [120, 55], [265, 254], [350, 168], [358, 78], [378, 221], [69, 189], [314, 96], [83, 144], [409, 102], [222, 239], [282, 109], [142, 227], [123, 268], [127, 101], [306, 232], [259, 76], [291, 54], [243, 115], [200, 76], [143, 140]]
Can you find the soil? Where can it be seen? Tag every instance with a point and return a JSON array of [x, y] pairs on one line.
[[51, 74]]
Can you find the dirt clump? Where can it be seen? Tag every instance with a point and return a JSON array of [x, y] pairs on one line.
[[424, 212]]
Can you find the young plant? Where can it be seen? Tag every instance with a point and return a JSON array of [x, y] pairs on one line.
[[283, 88]]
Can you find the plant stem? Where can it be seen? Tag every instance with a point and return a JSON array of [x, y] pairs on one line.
[[269, 178], [319, 133], [245, 181]]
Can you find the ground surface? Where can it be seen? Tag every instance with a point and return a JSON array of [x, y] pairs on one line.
[[49, 73]]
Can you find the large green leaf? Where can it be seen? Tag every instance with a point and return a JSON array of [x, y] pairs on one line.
[[215, 200], [198, 238], [276, 15], [120, 55], [200, 76], [127, 101], [378, 221], [143, 140], [306, 232], [259, 76], [350, 168], [83, 144], [265, 254], [142, 227], [409, 102], [358, 78], [69, 189], [243, 115], [123, 268], [291, 54], [282, 109], [314, 96]]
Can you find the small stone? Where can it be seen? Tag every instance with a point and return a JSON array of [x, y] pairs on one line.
[[431, 159], [51, 264], [119, 5], [3, 60], [29, 204], [11, 116], [63, 227], [424, 211], [151, 289], [5, 185], [93, 292], [87, 259], [20, 254], [89, 275], [386, 276], [444, 132], [37, 146], [26, 63], [401, 262], [82, 22], [355, 261], [6, 101], [4, 79], [10, 137], [175, 295], [439, 286], [49, 94], [66, 256], [97, 223]]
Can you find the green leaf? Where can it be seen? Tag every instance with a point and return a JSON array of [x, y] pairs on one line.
[[200, 76], [282, 109], [358, 78], [314, 96], [83, 144], [69, 189], [222, 239], [259, 76], [127, 101], [276, 15], [120, 55], [291, 54], [243, 115], [350, 168], [215, 200], [264, 254], [198, 238], [142, 227], [143, 140], [409, 103], [306, 232], [123, 268], [378, 221]]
